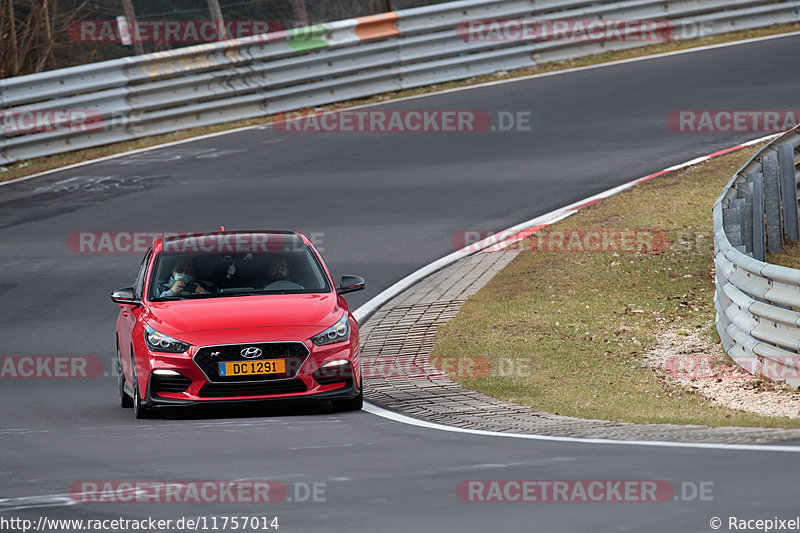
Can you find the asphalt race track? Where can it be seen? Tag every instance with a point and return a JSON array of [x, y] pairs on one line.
[[383, 205]]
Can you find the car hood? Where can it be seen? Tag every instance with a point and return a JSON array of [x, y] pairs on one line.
[[313, 311]]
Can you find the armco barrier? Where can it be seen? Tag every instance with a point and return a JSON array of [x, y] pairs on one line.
[[757, 303], [135, 97]]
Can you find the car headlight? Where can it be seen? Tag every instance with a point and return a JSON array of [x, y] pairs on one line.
[[336, 333], [158, 342]]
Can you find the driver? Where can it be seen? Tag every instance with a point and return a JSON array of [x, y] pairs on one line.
[[278, 274], [183, 281]]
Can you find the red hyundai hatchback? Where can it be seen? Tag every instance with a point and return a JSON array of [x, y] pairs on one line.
[[236, 316]]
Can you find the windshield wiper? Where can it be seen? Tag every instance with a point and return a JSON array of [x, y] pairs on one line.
[[184, 297]]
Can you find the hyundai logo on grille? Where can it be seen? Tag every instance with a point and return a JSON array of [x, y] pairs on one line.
[[251, 352]]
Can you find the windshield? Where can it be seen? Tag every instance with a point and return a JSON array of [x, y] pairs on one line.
[[178, 276]]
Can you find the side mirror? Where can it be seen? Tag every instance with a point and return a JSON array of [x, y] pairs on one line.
[[351, 284], [125, 296]]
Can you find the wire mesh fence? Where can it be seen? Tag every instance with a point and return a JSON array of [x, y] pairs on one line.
[[38, 35]]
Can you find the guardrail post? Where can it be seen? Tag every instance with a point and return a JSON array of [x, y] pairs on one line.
[[772, 203], [791, 230], [758, 215], [733, 222], [745, 192]]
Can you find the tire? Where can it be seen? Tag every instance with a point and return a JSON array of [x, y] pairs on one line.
[[124, 400], [139, 410], [354, 404]]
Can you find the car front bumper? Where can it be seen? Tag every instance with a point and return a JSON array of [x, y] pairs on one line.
[[305, 383]]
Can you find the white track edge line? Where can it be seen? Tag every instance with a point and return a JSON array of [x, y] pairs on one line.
[[367, 309], [405, 419]]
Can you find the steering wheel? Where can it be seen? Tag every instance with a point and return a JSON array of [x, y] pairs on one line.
[[283, 285]]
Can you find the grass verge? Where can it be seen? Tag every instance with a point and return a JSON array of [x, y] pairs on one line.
[[568, 332], [33, 166]]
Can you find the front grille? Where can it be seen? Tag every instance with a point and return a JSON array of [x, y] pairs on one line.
[[208, 360], [212, 390], [170, 383]]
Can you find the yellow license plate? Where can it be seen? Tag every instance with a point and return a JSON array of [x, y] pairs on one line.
[[252, 368]]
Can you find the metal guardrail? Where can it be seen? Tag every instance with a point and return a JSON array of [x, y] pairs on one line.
[[758, 304], [206, 84]]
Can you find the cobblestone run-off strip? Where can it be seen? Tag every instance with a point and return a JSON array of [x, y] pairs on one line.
[[396, 345]]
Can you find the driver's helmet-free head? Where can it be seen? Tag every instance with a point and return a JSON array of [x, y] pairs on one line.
[[277, 269]]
